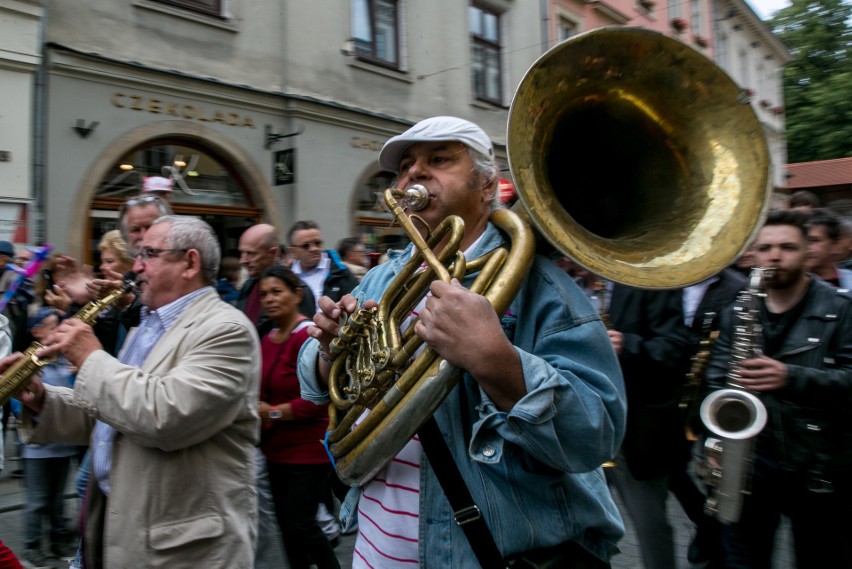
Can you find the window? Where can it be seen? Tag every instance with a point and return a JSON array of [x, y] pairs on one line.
[[197, 176], [745, 76], [674, 8], [212, 7], [565, 29], [695, 16], [375, 31], [722, 50], [485, 60]]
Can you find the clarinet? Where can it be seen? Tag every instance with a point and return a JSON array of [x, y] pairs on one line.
[[18, 375], [695, 376]]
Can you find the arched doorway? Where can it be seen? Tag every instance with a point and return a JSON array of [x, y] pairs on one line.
[[211, 178], [373, 222]]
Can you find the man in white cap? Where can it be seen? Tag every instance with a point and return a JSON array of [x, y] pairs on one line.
[[540, 407]]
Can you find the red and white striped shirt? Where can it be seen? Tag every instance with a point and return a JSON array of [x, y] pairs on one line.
[[389, 512], [389, 508]]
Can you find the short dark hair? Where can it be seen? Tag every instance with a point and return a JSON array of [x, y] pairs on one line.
[[804, 198], [285, 275], [827, 219], [228, 267], [301, 226], [347, 244], [788, 217]]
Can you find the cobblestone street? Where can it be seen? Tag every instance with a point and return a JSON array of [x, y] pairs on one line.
[[11, 525]]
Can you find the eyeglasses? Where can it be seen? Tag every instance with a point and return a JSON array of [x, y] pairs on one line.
[[308, 244], [151, 253]]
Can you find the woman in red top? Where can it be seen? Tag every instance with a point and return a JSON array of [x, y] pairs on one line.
[[292, 428], [8, 559]]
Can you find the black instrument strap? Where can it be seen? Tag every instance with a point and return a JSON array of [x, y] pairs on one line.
[[465, 511]]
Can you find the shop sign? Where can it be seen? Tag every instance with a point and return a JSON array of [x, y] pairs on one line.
[[187, 111], [365, 143], [284, 167]]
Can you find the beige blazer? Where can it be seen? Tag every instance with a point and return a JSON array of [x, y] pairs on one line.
[[183, 475]]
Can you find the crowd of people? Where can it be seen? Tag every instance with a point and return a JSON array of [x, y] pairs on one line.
[[196, 405]]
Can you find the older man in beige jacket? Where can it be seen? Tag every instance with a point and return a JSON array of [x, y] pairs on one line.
[[173, 420]]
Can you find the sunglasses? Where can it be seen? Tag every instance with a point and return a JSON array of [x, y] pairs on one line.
[[308, 244]]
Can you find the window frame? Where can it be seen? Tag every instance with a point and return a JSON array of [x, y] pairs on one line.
[[372, 56], [494, 45], [215, 8], [563, 23]]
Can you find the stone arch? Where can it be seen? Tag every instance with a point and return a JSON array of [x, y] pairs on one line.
[[241, 161]]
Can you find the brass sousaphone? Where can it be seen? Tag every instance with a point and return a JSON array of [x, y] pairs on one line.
[[633, 154]]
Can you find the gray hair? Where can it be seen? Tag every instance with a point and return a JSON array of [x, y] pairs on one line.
[[192, 233], [486, 174], [163, 208]]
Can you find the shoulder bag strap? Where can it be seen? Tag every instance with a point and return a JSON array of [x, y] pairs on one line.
[[465, 511]]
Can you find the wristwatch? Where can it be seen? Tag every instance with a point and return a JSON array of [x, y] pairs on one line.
[[275, 414]]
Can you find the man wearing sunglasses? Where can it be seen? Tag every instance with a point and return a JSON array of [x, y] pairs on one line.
[[322, 270]]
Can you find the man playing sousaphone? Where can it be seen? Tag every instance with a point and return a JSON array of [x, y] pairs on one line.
[[539, 408]]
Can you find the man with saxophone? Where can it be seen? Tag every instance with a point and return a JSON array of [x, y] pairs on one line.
[[702, 304], [802, 374], [173, 420], [539, 407]]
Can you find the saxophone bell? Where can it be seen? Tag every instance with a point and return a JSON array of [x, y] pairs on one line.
[[736, 417]]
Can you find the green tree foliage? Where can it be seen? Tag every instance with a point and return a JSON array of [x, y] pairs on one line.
[[818, 81]]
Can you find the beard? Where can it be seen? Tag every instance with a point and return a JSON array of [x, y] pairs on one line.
[[785, 278]]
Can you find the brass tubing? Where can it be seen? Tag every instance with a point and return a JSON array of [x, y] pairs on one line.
[[18, 375]]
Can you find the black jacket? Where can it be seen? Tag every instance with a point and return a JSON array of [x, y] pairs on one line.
[[338, 282], [654, 363], [810, 418], [717, 298], [307, 306]]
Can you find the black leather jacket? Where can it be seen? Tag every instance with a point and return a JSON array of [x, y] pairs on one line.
[[810, 418]]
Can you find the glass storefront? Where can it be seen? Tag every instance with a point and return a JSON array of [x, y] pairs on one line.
[[203, 185]]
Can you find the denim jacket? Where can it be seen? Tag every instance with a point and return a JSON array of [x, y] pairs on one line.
[[534, 471]]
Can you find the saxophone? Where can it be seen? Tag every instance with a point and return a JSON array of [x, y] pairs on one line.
[[734, 415], [16, 377]]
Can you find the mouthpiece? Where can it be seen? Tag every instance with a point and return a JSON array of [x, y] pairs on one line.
[[415, 197]]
